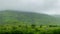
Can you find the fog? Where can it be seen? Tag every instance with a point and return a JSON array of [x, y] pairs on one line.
[[40, 6]]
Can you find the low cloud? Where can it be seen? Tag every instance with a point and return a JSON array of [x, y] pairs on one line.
[[43, 6]]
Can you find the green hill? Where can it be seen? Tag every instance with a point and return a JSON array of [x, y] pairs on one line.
[[19, 17]]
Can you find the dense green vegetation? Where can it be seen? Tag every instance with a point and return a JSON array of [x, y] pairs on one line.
[[31, 29], [18, 22], [9, 16]]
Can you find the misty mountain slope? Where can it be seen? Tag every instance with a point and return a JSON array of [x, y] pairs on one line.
[[12, 17]]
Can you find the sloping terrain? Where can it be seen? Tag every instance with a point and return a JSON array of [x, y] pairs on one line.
[[12, 17]]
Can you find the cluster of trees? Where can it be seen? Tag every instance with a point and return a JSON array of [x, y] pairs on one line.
[[29, 29]]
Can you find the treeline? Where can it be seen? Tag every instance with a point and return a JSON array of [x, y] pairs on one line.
[[29, 29]]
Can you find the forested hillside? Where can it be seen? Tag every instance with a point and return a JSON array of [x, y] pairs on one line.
[[20, 22], [19, 17]]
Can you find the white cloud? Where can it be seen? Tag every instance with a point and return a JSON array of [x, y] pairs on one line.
[[44, 6]]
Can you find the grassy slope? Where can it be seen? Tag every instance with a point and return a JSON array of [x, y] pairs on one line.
[[9, 17]]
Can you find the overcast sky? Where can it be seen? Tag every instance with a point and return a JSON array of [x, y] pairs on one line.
[[40, 6]]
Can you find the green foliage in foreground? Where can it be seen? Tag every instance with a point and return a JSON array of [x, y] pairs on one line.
[[31, 29]]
